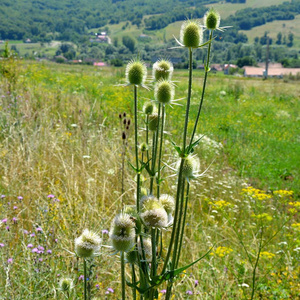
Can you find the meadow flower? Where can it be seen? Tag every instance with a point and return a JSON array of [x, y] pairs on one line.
[[66, 284], [49, 251], [20, 197], [136, 73], [105, 231], [162, 69], [191, 34], [1, 245], [10, 261], [4, 220], [29, 246], [39, 229], [122, 233], [88, 244], [35, 250]]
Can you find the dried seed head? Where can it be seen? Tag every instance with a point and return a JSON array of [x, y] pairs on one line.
[[163, 69], [153, 122], [123, 135], [136, 72], [167, 202], [124, 121], [66, 284], [120, 116], [148, 108], [153, 214], [164, 91], [122, 233], [124, 114], [87, 244], [212, 19], [191, 34]]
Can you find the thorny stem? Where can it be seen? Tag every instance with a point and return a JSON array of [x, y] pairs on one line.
[[123, 274], [136, 149], [203, 90], [183, 223], [160, 150], [85, 281], [147, 135], [133, 282]]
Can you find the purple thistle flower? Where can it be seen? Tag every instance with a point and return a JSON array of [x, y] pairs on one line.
[[110, 290], [29, 246], [20, 197], [50, 196], [49, 251], [41, 248], [15, 220], [55, 240], [163, 291], [189, 292], [4, 221], [2, 196], [40, 259], [1, 245], [7, 228], [32, 234], [196, 282], [25, 231], [10, 261], [97, 286], [105, 231], [81, 277], [39, 229], [15, 207], [35, 250]]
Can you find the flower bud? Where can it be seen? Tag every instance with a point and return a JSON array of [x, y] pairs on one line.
[[148, 108], [191, 167], [212, 19], [153, 122], [87, 244], [162, 69], [136, 72], [66, 284], [164, 92], [122, 233], [191, 34]]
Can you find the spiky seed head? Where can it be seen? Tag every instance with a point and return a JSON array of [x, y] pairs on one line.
[[87, 244], [167, 202], [191, 167], [212, 19], [153, 122], [144, 147], [145, 200], [191, 34], [136, 72], [122, 233], [131, 257], [163, 69], [66, 284], [148, 108], [153, 214], [147, 247], [164, 91]]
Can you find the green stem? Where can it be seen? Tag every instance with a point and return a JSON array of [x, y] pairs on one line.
[[147, 135], [153, 149], [136, 149], [183, 224], [85, 277], [123, 274], [160, 149], [153, 242], [133, 282], [203, 90], [189, 97]]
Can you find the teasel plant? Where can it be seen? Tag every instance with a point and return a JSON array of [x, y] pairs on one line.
[[155, 212]]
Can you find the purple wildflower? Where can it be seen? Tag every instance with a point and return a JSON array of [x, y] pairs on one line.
[[81, 277], [110, 290], [40, 259], [15, 220], [196, 282], [15, 207], [1, 245], [32, 234], [7, 228], [105, 231], [35, 250], [20, 197], [189, 292], [2, 196], [97, 286], [39, 229], [10, 261], [49, 251], [50, 196], [163, 292], [25, 231], [29, 246], [41, 248], [4, 221]]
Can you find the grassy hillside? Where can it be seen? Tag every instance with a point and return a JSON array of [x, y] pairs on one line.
[[61, 149], [227, 9]]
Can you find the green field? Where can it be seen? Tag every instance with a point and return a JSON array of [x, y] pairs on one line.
[[61, 138], [273, 28], [227, 9]]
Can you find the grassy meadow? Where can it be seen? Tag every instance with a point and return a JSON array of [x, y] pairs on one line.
[[61, 157]]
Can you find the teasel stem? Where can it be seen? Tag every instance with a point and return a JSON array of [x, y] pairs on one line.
[[160, 149], [180, 181], [123, 274], [204, 86], [133, 282], [183, 223], [153, 244], [136, 150], [85, 281], [147, 135], [154, 149]]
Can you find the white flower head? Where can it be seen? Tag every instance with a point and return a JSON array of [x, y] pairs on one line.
[[87, 244]]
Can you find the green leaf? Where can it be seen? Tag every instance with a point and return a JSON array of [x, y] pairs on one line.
[[190, 149], [134, 168], [176, 148], [207, 42], [144, 165]]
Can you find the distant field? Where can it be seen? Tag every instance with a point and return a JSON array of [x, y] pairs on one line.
[[273, 28], [227, 9]]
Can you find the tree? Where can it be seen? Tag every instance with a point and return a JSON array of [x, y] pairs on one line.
[[290, 40], [279, 38], [128, 42]]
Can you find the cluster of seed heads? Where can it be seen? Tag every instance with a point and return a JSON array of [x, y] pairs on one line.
[[125, 125]]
